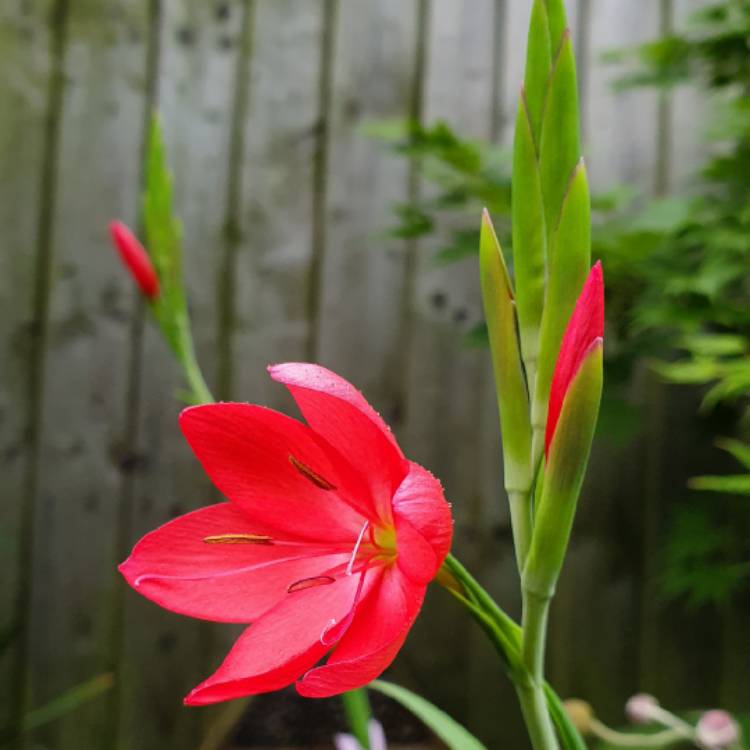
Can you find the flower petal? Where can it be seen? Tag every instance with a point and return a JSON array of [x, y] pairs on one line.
[[176, 568], [585, 327], [280, 646], [377, 633], [274, 469], [338, 412], [420, 500], [416, 557]]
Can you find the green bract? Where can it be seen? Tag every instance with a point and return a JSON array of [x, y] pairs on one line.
[[563, 477]]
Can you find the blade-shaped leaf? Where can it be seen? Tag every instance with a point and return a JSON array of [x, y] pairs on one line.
[[529, 239], [730, 484], [738, 449], [560, 148], [512, 399], [446, 728], [570, 257], [539, 56], [69, 701]]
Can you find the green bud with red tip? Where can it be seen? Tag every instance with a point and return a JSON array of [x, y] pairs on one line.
[[571, 421]]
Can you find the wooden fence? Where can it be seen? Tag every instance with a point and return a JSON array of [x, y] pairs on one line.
[[284, 201]]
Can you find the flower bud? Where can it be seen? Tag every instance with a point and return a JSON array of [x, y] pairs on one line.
[[135, 258], [640, 708], [581, 714], [717, 730]]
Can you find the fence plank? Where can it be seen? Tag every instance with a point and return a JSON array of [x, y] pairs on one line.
[[166, 655], [24, 102], [446, 395], [363, 270], [282, 139], [84, 365]]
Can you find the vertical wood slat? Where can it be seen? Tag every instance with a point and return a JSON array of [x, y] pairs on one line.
[[444, 397], [26, 88], [202, 46], [84, 378], [363, 274]]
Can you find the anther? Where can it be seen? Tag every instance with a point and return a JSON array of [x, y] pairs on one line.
[[308, 473], [308, 583], [238, 539]]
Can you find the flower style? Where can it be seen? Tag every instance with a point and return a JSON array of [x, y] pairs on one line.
[[135, 259], [327, 543], [585, 332]]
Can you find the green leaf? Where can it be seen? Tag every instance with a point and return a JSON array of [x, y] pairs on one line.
[[164, 240], [529, 238], [560, 148], [446, 728], [557, 23], [730, 484], [69, 701], [539, 55], [512, 399], [570, 258], [738, 449]]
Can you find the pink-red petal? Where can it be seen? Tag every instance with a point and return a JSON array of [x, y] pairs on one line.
[[273, 468], [176, 568], [420, 500], [586, 325], [280, 646], [339, 413], [379, 629], [416, 557]]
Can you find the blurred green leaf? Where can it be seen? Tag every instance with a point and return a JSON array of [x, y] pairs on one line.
[[446, 728], [68, 702], [736, 484]]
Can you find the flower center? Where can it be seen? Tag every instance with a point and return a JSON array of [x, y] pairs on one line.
[[385, 539]]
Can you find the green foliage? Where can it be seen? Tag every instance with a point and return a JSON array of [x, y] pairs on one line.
[[447, 729]]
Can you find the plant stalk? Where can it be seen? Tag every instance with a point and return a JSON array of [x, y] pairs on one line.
[[357, 710], [531, 693]]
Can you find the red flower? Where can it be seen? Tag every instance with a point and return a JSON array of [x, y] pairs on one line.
[[585, 331], [135, 258], [327, 544]]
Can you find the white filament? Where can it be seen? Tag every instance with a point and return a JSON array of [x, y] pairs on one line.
[[350, 566]]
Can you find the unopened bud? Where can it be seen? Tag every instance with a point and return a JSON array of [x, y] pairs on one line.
[[717, 730], [581, 714], [135, 259], [640, 708]]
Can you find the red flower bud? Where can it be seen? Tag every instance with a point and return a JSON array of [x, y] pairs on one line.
[[584, 331], [135, 258]]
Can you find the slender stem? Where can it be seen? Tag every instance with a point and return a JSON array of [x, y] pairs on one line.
[[621, 739], [534, 638], [199, 391], [533, 694], [357, 709]]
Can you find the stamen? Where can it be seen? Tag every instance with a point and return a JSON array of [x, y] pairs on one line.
[[308, 473], [238, 539], [334, 632], [308, 583], [350, 566]]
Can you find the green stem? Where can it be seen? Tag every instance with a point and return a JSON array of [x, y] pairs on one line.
[[521, 521], [538, 700], [531, 693], [357, 709], [199, 391]]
